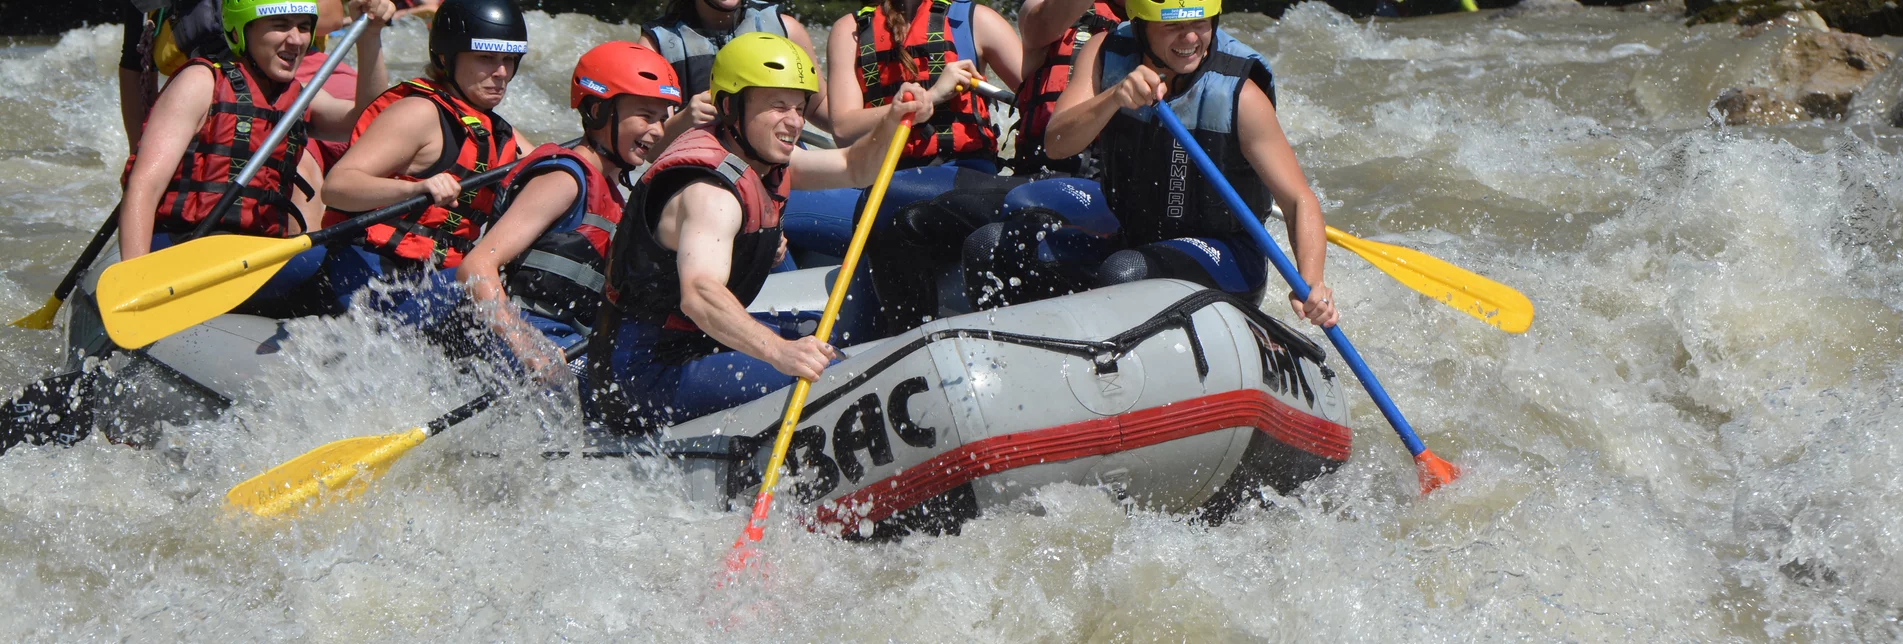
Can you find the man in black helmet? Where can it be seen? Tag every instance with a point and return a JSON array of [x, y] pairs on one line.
[[420, 138]]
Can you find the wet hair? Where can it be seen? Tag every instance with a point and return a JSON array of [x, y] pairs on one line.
[[679, 9], [898, 21]]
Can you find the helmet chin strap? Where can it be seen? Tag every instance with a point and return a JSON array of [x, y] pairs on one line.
[[732, 126], [612, 153]]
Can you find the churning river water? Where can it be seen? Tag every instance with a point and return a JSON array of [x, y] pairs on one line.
[[1699, 439]]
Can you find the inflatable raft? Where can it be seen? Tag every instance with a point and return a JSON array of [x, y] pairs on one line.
[[1173, 397]]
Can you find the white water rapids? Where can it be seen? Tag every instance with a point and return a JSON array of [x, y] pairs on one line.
[[1698, 440]]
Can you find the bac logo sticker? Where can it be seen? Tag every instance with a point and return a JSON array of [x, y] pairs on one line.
[[287, 8], [499, 46], [1182, 13]]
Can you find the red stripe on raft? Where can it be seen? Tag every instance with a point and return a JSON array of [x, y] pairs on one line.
[[1121, 433]]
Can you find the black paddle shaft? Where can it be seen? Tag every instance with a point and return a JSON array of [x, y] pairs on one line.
[[356, 224], [488, 398], [87, 256]]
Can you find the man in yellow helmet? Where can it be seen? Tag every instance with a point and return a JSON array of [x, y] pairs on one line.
[[701, 232]]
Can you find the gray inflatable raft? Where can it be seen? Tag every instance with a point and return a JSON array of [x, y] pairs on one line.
[[1173, 397]]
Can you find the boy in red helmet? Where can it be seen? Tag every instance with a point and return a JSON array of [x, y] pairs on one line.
[[544, 254]]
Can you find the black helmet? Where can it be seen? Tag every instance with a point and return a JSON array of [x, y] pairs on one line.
[[476, 25]]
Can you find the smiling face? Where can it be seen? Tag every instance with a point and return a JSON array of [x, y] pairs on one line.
[[772, 119], [1180, 46], [276, 43], [483, 77], [641, 125]]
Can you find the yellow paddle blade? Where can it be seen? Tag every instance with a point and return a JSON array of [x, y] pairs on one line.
[[43, 318], [150, 297], [320, 475], [1492, 302]]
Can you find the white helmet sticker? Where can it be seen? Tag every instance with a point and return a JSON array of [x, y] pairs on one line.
[[499, 46], [1182, 13], [287, 8]]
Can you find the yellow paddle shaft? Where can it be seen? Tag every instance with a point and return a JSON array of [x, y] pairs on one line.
[[834, 300]]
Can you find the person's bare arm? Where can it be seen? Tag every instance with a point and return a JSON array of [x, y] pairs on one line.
[[998, 45], [706, 220], [1042, 22], [135, 88], [403, 133], [816, 109], [174, 121], [1267, 149], [543, 200], [845, 103], [1083, 109], [856, 166], [332, 118]]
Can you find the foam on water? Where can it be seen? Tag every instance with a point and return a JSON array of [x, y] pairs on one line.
[[1697, 440]]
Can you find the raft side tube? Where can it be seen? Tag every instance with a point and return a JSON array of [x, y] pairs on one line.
[[1156, 390]]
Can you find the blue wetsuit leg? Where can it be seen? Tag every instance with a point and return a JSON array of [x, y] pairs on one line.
[[418, 298], [1052, 235], [657, 394], [1231, 265], [820, 221]]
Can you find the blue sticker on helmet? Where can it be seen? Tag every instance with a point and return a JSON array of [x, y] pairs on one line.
[[1182, 13], [671, 90], [593, 86]]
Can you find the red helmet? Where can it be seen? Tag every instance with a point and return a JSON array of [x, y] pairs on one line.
[[615, 68]]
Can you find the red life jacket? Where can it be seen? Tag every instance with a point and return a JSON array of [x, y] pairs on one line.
[[644, 280], [961, 128], [237, 122], [473, 141], [560, 276], [1038, 100]]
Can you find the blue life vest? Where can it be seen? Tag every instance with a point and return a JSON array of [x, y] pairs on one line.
[[1148, 179], [692, 52]]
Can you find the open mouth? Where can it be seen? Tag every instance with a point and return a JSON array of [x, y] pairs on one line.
[[788, 140], [1191, 52]]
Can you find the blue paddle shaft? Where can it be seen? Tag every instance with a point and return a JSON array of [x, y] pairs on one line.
[[1287, 269]]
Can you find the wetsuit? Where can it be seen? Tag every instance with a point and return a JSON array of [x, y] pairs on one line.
[[1169, 223]]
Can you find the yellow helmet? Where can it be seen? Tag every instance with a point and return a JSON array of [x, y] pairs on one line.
[[762, 60], [1172, 10]]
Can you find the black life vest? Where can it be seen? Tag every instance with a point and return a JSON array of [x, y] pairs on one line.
[[644, 281], [1148, 179], [939, 35], [1038, 100], [692, 52], [560, 276]]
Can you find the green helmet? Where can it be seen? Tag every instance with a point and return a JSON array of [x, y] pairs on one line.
[[1172, 10], [239, 13], [761, 59]]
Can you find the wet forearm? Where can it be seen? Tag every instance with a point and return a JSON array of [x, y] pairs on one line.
[[718, 313], [1072, 130]]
